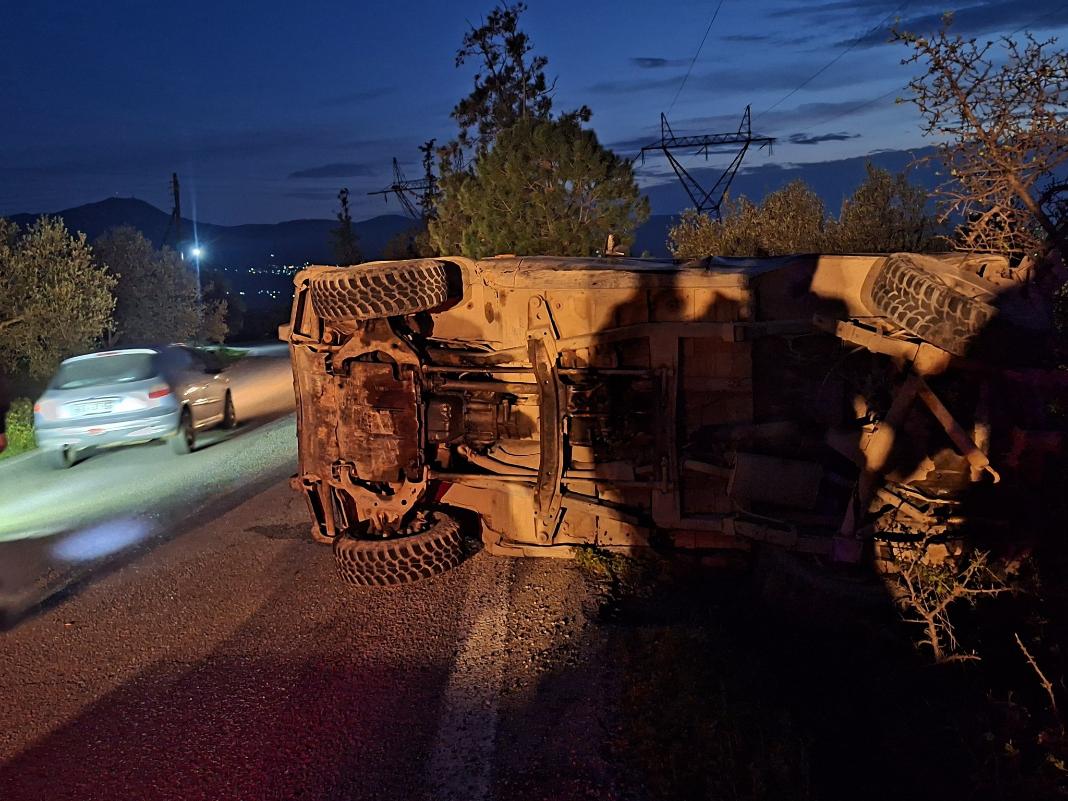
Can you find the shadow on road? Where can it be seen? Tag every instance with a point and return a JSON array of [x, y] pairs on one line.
[[300, 700]]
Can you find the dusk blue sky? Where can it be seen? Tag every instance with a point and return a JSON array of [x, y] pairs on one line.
[[265, 109]]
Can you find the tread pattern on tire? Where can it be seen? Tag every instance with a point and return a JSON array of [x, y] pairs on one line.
[[401, 560], [922, 304], [372, 291]]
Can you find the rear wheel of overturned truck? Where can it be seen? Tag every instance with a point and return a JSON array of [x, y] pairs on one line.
[[374, 291], [948, 308], [367, 561]]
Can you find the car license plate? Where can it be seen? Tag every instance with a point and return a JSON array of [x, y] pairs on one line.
[[85, 408]]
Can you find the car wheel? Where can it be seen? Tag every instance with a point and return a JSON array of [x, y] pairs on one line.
[[370, 292], [61, 458], [919, 301], [401, 559], [185, 438], [229, 414]]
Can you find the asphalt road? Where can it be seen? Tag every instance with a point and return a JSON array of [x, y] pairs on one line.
[[57, 526], [229, 662], [172, 632]]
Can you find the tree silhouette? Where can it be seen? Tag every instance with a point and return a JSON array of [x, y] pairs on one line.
[[346, 244], [1001, 121], [55, 301], [546, 187], [510, 84]]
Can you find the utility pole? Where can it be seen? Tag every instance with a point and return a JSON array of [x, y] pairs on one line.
[[175, 222], [736, 142], [407, 192], [417, 197]]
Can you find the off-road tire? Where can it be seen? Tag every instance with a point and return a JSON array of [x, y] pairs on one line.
[[373, 291], [403, 559], [918, 301]]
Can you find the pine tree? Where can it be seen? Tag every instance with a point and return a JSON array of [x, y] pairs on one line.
[[546, 187], [346, 244]]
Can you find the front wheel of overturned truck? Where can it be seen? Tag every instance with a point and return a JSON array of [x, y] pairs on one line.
[[400, 560]]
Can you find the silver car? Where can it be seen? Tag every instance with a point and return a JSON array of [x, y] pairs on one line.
[[135, 395]]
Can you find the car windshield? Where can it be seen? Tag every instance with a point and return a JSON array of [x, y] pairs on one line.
[[117, 368]]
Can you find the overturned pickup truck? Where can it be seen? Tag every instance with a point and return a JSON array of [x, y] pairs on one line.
[[825, 404]]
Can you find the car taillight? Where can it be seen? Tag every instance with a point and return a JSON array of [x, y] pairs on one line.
[[161, 391]]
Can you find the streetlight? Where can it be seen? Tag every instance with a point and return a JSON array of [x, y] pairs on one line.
[[196, 253]]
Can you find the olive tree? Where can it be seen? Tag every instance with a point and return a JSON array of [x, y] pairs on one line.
[[885, 214], [157, 298], [789, 220], [55, 300]]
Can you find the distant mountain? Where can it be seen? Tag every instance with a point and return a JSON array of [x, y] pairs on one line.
[[236, 246]]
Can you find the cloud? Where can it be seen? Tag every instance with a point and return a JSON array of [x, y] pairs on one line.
[[804, 115], [314, 194], [981, 16], [358, 96], [340, 169], [843, 8], [652, 63], [758, 38], [810, 139], [746, 37], [736, 79]]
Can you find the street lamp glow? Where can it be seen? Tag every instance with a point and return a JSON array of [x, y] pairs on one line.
[[197, 252]]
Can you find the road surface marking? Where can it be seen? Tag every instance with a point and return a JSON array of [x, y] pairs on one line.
[[461, 762]]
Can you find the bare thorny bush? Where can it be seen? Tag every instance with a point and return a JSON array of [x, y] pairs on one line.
[[1001, 115], [928, 586]]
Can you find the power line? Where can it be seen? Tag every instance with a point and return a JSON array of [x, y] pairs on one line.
[[693, 61], [855, 109], [1037, 19], [837, 58]]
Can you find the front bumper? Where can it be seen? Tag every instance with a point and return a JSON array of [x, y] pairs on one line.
[[86, 434]]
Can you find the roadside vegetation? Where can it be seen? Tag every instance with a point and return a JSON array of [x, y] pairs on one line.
[[19, 429], [55, 300], [886, 214], [156, 294]]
